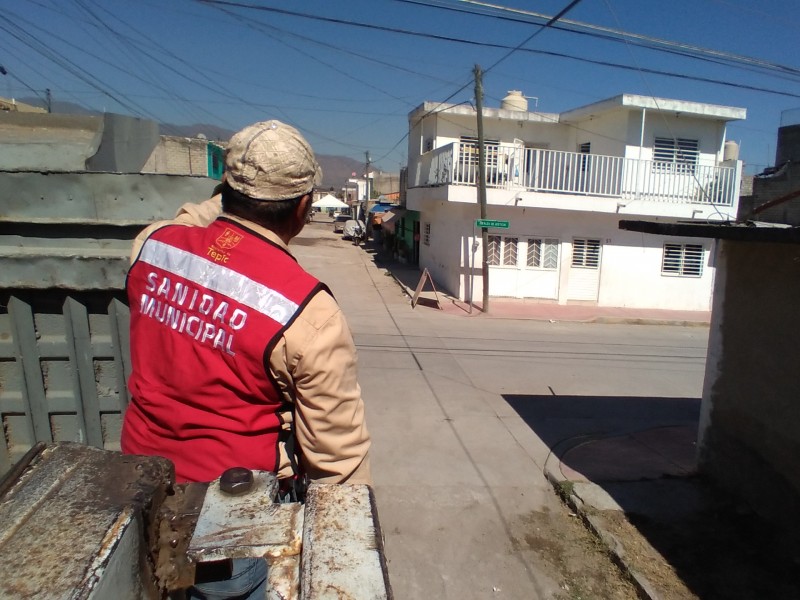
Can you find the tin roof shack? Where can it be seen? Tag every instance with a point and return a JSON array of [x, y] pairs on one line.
[[71, 200], [749, 434]]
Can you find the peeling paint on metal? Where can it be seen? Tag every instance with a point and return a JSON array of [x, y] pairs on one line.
[[249, 525], [342, 545]]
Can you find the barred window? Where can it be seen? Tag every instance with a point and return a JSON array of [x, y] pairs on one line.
[[502, 251], [675, 154], [683, 259], [586, 253], [542, 253], [426, 238], [585, 149]]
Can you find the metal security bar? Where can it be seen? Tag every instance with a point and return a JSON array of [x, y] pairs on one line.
[[538, 170]]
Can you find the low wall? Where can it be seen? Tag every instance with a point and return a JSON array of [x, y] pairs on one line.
[[65, 241], [750, 421]]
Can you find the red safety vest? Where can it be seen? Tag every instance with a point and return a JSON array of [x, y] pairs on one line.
[[207, 306]]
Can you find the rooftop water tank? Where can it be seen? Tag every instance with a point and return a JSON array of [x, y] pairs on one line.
[[515, 101], [731, 151]]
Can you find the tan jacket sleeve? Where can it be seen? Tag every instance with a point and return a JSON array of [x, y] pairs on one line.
[[199, 215], [330, 427]]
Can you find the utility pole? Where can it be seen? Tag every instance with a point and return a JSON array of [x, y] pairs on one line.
[[49, 101], [366, 194], [482, 186]]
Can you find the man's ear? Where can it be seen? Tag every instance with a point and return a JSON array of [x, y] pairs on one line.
[[305, 205]]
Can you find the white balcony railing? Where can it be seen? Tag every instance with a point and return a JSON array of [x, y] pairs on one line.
[[533, 169]]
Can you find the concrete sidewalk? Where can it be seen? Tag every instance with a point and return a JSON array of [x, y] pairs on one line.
[[510, 308]]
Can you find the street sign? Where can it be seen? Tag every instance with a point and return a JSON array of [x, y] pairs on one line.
[[491, 223]]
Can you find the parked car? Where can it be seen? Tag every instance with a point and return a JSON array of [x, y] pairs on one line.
[[338, 223]]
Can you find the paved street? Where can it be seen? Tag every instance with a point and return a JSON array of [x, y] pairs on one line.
[[464, 413]]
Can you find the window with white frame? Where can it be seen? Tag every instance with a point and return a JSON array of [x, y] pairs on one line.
[[426, 236], [682, 259], [678, 155], [502, 251], [586, 253], [542, 253]]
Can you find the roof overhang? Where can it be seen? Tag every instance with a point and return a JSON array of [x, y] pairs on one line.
[[740, 232], [631, 102]]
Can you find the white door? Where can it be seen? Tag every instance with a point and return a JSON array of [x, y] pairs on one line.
[[524, 266], [584, 272]]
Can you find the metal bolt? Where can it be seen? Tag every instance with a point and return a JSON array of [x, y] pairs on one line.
[[236, 480]]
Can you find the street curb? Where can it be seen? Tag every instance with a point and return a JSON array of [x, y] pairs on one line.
[[596, 525], [600, 320]]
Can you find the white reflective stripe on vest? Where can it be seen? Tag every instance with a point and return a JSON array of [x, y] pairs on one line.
[[219, 279]]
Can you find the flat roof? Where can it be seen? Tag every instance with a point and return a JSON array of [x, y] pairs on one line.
[[668, 105], [622, 102]]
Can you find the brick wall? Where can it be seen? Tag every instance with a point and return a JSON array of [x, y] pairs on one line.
[[179, 156]]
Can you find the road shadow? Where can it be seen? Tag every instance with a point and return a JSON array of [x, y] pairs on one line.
[[641, 453]]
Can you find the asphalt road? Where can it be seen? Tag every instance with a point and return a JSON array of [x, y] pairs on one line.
[[461, 412]]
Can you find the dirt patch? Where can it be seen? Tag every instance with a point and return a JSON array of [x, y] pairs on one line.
[[722, 553], [585, 569]]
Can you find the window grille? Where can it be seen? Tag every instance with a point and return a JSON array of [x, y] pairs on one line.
[[426, 238], [675, 154], [586, 253], [468, 156], [683, 259], [493, 251], [510, 252], [542, 253], [585, 149], [502, 251]]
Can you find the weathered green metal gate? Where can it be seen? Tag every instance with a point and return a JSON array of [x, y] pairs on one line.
[[64, 246]]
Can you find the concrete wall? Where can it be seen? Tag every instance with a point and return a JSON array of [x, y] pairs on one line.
[[48, 142], [178, 155], [630, 269], [125, 146], [766, 189], [750, 417]]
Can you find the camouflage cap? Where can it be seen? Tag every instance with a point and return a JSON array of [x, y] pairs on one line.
[[271, 161]]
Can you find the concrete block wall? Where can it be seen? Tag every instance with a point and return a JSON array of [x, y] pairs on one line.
[[179, 156], [750, 416]]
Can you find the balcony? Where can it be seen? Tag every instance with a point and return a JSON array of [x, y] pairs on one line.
[[516, 168]]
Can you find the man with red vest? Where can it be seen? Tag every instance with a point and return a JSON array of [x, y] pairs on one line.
[[240, 358]]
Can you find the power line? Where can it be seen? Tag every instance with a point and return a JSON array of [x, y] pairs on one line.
[[607, 33], [470, 42]]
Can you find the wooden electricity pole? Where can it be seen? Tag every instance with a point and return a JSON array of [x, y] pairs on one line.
[[482, 186]]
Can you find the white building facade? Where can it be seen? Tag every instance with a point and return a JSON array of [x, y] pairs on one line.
[[563, 182]]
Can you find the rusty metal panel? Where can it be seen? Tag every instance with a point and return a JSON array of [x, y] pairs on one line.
[[177, 519], [342, 545], [71, 523], [249, 525], [283, 578]]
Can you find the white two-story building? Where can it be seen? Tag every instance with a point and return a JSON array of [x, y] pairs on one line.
[[562, 182]]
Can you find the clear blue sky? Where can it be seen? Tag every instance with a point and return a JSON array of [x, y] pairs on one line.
[[347, 72]]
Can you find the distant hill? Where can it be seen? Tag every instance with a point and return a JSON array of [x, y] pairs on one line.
[[336, 170]]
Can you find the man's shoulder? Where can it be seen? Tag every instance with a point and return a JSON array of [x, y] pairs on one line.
[[320, 309]]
